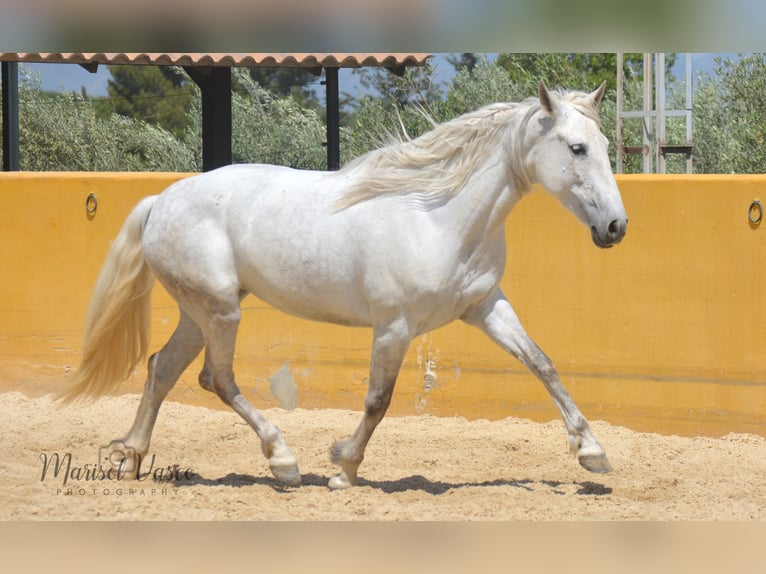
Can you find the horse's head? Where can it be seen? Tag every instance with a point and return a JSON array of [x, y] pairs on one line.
[[569, 157]]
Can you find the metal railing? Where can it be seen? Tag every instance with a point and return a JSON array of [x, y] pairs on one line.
[[653, 115]]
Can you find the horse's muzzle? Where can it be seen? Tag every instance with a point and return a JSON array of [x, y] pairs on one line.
[[610, 236]]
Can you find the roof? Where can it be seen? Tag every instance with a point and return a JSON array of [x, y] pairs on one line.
[[303, 60]]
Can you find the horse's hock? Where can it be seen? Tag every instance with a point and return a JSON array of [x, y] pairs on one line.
[[663, 334]]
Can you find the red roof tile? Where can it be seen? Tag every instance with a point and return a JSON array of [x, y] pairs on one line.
[[304, 60]]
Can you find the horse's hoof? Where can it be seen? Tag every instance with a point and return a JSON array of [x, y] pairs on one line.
[[122, 459], [288, 475], [282, 461], [596, 462], [339, 482]]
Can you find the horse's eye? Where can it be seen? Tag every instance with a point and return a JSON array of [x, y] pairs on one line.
[[578, 149]]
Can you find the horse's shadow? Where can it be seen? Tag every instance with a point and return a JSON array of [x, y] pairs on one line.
[[409, 483]]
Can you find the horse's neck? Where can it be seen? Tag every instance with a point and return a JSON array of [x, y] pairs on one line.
[[483, 205]]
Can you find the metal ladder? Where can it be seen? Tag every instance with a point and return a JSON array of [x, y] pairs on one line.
[[654, 146]]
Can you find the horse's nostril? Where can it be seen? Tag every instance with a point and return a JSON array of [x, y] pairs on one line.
[[614, 227]]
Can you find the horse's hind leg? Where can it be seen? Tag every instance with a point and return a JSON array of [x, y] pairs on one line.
[[164, 368], [206, 379], [220, 329], [388, 350], [498, 320]]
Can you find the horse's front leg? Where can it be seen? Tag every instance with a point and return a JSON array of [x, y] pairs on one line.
[[499, 321], [389, 347]]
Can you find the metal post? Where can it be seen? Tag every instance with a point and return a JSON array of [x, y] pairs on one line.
[[689, 166], [647, 133], [10, 94], [661, 139], [620, 95], [215, 85], [333, 119]]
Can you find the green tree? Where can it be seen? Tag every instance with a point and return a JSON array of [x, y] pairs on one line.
[[159, 95], [63, 132], [415, 84], [575, 71], [72, 132], [484, 84], [467, 60], [286, 81], [266, 127], [397, 107], [729, 117]]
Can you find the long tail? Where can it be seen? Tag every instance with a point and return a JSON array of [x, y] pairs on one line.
[[117, 326]]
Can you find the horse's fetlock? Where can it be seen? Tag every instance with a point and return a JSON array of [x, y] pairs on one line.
[[337, 452], [271, 442], [574, 444], [580, 423]]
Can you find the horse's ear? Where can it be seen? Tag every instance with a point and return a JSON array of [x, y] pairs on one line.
[[546, 98], [598, 95]]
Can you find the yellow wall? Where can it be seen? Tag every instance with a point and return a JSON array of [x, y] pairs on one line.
[[664, 332]]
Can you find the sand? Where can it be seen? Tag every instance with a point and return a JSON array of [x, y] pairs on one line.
[[207, 465]]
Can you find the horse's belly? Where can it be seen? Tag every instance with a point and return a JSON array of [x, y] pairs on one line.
[[330, 302], [453, 298], [316, 311]]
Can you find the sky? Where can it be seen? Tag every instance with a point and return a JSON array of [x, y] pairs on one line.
[[72, 77]]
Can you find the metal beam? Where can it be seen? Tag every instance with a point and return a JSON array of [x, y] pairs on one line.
[[215, 84], [333, 118], [10, 94], [620, 96]]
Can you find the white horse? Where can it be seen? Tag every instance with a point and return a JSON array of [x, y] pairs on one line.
[[404, 239]]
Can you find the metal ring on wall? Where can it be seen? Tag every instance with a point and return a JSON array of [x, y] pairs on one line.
[[91, 205], [755, 213]]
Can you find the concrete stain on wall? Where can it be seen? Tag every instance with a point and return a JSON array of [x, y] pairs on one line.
[[426, 367], [283, 388]]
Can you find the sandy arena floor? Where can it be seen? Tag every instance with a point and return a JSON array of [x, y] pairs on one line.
[[416, 468]]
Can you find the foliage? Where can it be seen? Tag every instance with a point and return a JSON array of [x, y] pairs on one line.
[[716, 150], [266, 128], [61, 132], [270, 129], [400, 108], [730, 117], [75, 132], [287, 81], [467, 60], [485, 83], [573, 71], [158, 95], [413, 84]]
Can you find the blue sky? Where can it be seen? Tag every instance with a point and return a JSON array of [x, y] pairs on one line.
[[72, 77]]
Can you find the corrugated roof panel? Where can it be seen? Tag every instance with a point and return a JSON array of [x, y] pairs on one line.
[[306, 60]]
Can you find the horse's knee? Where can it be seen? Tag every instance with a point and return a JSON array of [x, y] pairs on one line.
[[377, 400]]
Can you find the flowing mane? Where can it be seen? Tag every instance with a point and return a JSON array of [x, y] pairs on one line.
[[437, 165]]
